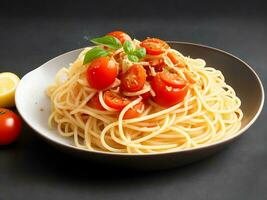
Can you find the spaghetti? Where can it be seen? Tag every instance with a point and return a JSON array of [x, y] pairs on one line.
[[209, 112]]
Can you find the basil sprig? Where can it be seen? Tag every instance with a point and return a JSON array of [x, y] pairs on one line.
[[128, 47], [140, 53], [133, 55], [94, 53], [108, 41], [133, 58]]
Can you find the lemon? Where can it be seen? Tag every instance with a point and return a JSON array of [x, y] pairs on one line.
[[8, 85]]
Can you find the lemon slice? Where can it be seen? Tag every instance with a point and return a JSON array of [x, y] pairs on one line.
[[8, 85]]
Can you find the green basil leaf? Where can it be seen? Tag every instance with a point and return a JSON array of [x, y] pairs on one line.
[[128, 47], [133, 58], [140, 53], [108, 41], [94, 53]]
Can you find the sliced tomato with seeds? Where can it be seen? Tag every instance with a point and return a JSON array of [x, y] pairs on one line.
[[95, 103], [167, 95], [115, 100], [135, 111], [154, 46], [172, 79], [120, 36], [134, 79]]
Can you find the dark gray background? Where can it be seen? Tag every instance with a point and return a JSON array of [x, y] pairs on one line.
[[32, 32]]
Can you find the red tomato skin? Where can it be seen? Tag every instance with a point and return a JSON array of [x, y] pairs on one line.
[[134, 79], [95, 103], [165, 97], [10, 126], [148, 45], [146, 96], [102, 72], [120, 36], [132, 112]]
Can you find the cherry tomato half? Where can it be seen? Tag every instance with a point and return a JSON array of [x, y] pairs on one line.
[[102, 72], [167, 95], [115, 100], [134, 112], [172, 79], [10, 126], [120, 36], [95, 103], [134, 79], [175, 60], [154, 46]]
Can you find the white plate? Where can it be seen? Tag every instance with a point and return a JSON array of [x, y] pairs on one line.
[[31, 100]]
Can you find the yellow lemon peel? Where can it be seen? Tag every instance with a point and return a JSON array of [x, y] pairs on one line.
[[8, 85]]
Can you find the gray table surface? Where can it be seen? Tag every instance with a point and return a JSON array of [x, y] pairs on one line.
[[32, 169]]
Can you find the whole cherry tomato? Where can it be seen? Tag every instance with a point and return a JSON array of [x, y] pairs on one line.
[[102, 72], [10, 126]]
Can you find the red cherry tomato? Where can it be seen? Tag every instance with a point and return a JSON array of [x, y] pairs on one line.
[[95, 103], [10, 126], [172, 79], [154, 46], [121, 36], [134, 112], [102, 72], [115, 100], [167, 95], [175, 61], [134, 79]]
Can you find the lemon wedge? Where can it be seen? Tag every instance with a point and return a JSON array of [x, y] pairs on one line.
[[8, 85]]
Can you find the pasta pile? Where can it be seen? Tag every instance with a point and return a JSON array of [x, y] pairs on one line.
[[210, 111]]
